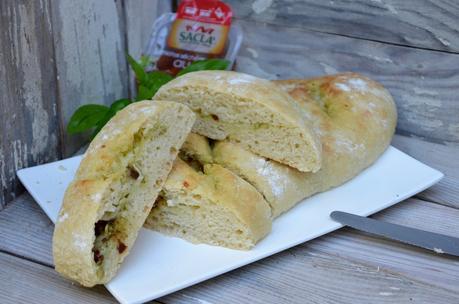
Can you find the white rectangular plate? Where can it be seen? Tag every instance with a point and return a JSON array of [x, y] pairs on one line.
[[158, 265]]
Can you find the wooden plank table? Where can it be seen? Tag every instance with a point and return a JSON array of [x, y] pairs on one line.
[[345, 266]]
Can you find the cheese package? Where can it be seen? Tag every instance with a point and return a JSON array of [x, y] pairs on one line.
[[201, 29]]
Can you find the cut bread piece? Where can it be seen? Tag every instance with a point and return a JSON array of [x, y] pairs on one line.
[[197, 147], [250, 111], [115, 187], [281, 185], [355, 118], [215, 207]]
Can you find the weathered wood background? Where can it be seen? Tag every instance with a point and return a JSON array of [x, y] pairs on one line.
[[54, 57], [57, 55]]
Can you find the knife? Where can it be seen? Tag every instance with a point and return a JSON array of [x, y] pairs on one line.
[[436, 242]]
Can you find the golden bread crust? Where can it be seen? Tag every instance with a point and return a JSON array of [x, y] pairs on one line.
[[355, 119]]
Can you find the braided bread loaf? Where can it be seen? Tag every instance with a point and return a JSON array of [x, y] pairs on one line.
[[353, 116]]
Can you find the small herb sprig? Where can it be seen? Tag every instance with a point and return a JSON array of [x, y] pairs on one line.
[[95, 116]]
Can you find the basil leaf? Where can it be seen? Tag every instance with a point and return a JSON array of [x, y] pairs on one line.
[[209, 64], [119, 105], [138, 69], [96, 116], [86, 117], [156, 79], [114, 108], [145, 61], [144, 93]]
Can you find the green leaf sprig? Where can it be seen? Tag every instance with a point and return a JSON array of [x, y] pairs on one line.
[[201, 65], [94, 116]]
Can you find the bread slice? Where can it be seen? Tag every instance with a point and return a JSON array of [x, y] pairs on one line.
[[355, 118], [214, 207], [197, 148], [115, 187], [250, 111]]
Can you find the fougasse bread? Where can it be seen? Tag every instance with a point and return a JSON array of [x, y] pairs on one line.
[[115, 187], [250, 111]]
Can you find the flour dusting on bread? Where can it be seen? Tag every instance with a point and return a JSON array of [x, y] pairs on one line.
[[342, 86], [353, 84], [241, 79], [80, 241], [63, 217], [276, 181], [358, 84], [345, 145]]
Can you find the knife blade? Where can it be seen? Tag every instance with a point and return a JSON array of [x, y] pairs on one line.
[[436, 242]]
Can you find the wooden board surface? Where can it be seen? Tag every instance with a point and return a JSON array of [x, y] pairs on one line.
[[29, 132], [440, 157], [421, 23], [89, 38], [387, 270], [26, 231], [411, 262], [27, 282], [423, 82], [304, 275]]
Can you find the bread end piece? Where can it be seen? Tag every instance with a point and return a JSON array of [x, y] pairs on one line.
[[115, 187]]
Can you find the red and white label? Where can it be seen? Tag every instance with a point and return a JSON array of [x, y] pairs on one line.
[[208, 11]]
